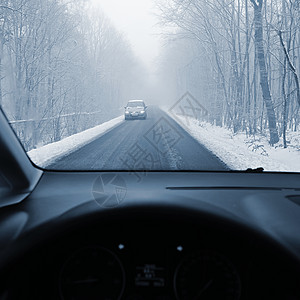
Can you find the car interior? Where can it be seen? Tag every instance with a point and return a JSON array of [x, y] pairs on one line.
[[175, 235], [149, 150]]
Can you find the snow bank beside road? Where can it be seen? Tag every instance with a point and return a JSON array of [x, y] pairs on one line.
[[47, 154], [240, 152]]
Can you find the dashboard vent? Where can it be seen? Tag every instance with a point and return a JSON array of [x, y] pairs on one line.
[[294, 198]]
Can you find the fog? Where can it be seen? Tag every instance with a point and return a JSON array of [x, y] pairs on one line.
[[137, 20], [66, 67]]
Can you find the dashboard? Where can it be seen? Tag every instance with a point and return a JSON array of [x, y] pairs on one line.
[[154, 256], [164, 241]]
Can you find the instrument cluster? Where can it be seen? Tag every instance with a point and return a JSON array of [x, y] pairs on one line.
[[147, 272]]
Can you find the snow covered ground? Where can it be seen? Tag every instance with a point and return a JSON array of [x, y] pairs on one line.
[[240, 152], [47, 154]]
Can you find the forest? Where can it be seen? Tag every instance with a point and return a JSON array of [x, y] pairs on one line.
[[63, 68], [240, 59]]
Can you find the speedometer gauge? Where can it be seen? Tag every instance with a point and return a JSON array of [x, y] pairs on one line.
[[92, 273], [206, 276]]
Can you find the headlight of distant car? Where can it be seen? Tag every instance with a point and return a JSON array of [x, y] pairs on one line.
[[126, 112], [142, 112]]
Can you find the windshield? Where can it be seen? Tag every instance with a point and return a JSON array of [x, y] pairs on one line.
[[135, 104], [220, 80]]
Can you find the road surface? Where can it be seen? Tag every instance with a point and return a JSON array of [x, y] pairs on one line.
[[157, 143]]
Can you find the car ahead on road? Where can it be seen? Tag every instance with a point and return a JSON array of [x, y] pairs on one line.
[[135, 109]]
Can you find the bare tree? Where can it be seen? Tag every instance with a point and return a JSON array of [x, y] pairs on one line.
[[264, 83]]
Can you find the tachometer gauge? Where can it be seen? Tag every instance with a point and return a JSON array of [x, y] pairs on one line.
[[206, 276], [92, 273]]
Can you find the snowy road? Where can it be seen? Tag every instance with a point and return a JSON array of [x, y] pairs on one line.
[[157, 143]]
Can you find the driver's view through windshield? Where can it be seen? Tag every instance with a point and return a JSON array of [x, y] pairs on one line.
[[148, 85], [149, 149]]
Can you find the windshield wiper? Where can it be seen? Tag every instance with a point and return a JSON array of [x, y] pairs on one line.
[[256, 170]]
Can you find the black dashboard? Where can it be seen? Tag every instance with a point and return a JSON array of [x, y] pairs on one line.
[[173, 236], [147, 257]]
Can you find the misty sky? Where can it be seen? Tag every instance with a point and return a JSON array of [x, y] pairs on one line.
[[136, 19]]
